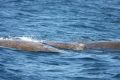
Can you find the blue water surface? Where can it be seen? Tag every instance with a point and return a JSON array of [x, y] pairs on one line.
[[64, 21]]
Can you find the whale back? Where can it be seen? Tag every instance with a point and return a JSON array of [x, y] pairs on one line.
[[103, 45], [27, 45]]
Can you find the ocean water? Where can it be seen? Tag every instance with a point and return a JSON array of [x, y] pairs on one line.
[[64, 21]]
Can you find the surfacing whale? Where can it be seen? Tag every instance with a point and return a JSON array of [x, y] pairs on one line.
[[51, 46], [27, 46], [83, 46]]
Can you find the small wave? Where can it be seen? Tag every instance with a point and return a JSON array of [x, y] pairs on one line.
[[114, 39], [27, 39], [22, 38], [116, 76]]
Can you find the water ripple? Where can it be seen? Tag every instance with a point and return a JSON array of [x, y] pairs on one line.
[[65, 21]]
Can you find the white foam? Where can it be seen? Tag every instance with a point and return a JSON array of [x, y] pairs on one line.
[[22, 38], [27, 39], [1, 38]]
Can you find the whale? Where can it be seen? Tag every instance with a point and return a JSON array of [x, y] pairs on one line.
[[54, 46], [27, 45], [114, 45]]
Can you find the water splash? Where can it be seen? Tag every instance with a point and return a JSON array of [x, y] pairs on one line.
[[24, 38]]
